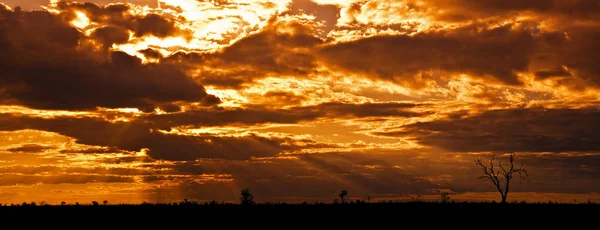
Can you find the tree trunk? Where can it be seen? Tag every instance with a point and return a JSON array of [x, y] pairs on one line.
[[506, 190]]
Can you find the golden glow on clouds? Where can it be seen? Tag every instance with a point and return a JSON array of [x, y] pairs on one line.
[[41, 113], [36, 160], [82, 21]]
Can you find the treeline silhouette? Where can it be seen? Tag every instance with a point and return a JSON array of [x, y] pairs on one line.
[[247, 199], [349, 210], [248, 211]]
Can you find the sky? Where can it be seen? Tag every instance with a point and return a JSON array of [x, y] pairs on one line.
[[165, 100]]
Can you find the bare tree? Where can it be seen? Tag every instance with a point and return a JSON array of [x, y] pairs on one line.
[[507, 172]]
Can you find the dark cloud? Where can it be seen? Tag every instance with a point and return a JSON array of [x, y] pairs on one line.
[[328, 14], [543, 74], [153, 24], [92, 150], [560, 34], [119, 16], [30, 148], [37, 4], [282, 48], [574, 49], [110, 35], [260, 115], [273, 50], [151, 53], [138, 135], [472, 9], [494, 53], [513, 130], [43, 67], [12, 179], [146, 131]]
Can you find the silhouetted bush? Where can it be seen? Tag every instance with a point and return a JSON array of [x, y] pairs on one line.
[[246, 197], [343, 194]]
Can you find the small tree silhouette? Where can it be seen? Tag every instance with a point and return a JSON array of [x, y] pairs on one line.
[[246, 197], [493, 174], [343, 195], [94, 203], [445, 197], [105, 202], [63, 203]]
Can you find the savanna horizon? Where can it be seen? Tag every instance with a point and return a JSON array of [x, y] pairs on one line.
[[135, 101]]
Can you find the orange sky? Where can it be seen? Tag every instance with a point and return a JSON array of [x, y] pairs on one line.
[[147, 100]]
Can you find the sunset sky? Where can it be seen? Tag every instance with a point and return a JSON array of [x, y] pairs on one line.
[[165, 100]]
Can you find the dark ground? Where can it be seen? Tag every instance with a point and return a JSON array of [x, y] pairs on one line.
[[309, 214]]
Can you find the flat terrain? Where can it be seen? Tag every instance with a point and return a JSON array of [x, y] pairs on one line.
[[354, 212]]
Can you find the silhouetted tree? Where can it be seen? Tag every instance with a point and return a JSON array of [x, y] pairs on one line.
[[63, 203], [507, 172], [445, 197], [105, 202], [94, 203], [246, 197], [342, 195]]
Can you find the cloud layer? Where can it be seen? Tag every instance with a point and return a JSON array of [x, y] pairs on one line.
[[297, 99]]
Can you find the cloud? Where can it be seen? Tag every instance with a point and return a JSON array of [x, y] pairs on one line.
[[109, 35], [282, 48], [8, 179], [121, 16], [136, 136], [455, 76], [149, 131], [568, 57], [471, 9], [490, 53], [327, 13], [37, 4], [30, 148], [44, 66], [260, 115], [512, 130], [377, 11]]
